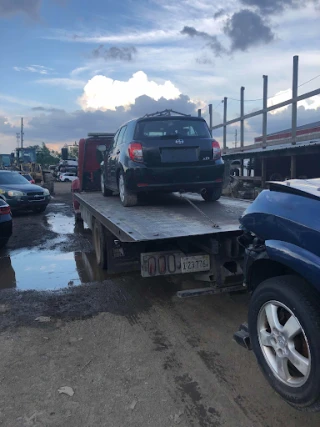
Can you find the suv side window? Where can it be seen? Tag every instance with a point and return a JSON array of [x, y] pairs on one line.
[[121, 135], [115, 138], [128, 136]]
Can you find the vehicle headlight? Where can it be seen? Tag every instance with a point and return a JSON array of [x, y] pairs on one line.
[[14, 193], [46, 192], [2, 191]]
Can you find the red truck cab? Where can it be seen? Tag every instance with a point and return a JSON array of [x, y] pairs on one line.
[[89, 164]]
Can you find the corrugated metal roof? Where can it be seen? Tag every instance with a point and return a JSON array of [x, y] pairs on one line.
[[307, 126], [278, 147], [285, 146]]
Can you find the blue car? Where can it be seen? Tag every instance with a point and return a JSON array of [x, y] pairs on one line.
[[5, 223], [282, 270], [20, 194]]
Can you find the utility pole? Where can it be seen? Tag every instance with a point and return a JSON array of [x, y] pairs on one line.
[[18, 139], [236, 138], [22, 133]]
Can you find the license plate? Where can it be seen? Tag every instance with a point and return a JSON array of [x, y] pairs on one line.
[[174, 262], [192, 264], [177, 155]]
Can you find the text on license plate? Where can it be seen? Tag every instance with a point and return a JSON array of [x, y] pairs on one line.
[[175, 262], [195, 263]]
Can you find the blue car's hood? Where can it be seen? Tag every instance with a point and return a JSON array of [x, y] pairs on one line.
[[287, 212], [25, 188]]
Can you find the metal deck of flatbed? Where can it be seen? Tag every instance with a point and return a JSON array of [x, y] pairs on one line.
[[163, 216]]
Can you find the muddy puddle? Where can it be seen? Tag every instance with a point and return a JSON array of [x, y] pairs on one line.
[[48, 270], [60, 224]]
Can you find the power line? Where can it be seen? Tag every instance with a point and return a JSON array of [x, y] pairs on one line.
[[214, 109], [302, 84], [275, 95]]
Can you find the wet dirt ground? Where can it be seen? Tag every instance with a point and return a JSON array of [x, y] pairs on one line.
[[131, 353]]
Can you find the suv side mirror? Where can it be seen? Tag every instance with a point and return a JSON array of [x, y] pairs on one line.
[[102, 148]]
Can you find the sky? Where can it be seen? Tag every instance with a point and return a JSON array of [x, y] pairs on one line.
[[70, 67]]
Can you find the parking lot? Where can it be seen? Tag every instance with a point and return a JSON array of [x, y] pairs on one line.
[[80, 348]]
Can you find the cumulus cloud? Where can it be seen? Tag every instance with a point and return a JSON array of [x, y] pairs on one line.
[[104, 93], [120, 53], [212, 41], [245, 29], [52, 125], [308, 104], [282, 120]]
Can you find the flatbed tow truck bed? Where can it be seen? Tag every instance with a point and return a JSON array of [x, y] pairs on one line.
[[167, 217], [168, 235]]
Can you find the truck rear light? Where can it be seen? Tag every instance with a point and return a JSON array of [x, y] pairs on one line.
[[5, 210], [135, 152], [216, 150], [152, 266]]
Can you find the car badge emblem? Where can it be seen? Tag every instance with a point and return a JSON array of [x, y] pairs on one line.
[[179, 141]]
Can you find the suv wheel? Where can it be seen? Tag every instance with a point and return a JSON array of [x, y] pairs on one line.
[[127, 198], [212, 194]]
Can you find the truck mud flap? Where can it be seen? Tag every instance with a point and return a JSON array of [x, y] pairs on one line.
[[242, 336]]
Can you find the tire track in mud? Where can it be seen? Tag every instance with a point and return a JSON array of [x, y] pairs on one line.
[[186, 373]]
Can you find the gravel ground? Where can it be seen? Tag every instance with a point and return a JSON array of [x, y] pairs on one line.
[[123, 351]]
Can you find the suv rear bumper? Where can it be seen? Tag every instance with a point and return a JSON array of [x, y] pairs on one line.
[[142, 179]]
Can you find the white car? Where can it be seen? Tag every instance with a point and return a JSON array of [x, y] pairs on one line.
[[67, 177]]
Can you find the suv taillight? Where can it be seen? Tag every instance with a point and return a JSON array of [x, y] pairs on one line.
[[135, 152], [216, 150], [5, 210]]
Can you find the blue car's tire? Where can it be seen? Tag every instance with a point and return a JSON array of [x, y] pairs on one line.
[[284, 327]]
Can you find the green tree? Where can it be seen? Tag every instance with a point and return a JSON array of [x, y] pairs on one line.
[[45, 156], [73, 151]]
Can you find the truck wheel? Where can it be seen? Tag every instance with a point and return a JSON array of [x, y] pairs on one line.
[[127, 199], [212, 194], [99, 243], [104, 190], [284, 326]]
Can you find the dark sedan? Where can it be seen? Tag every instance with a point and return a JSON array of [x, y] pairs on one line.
[[163, 153], [5, 223], [20, 194]]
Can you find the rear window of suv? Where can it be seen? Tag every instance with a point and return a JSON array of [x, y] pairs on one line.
[[171, 128]]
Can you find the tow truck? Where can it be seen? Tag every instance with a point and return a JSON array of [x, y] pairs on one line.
[[273, 252]]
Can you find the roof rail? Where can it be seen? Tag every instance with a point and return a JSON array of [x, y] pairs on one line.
[[97, 134], [166, 113]]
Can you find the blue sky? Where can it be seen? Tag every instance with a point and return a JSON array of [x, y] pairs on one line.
[[72, 66]]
